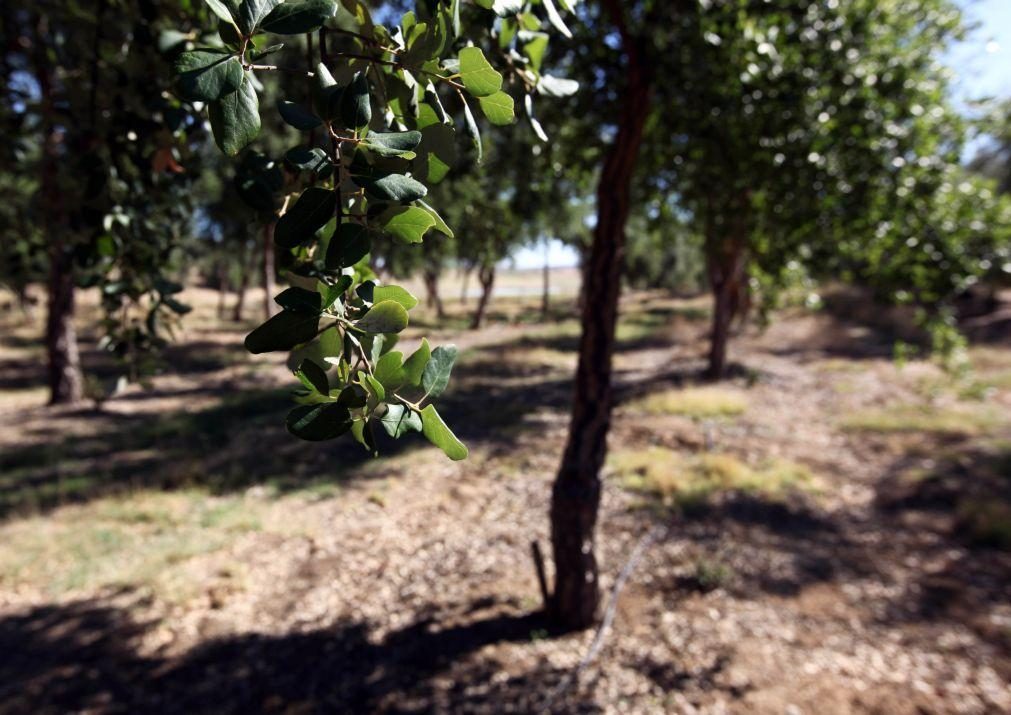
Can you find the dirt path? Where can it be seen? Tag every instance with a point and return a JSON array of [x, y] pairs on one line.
[[406, 585]]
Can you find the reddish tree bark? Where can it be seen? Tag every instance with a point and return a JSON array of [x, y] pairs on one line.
[[575, 497], [431, 279], [486, 276]]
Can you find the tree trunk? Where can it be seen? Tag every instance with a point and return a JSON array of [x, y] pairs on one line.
[[245, 270], [576, 494], [486, 275], [465, 280], [269, 306], [65, 382], [431, 279], [222, 278], [726, 264], [546, 284], [64, 362]]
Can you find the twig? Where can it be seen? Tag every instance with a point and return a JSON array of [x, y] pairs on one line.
[[648, 539]]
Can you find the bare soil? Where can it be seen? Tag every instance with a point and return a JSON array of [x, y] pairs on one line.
[[323, 581]]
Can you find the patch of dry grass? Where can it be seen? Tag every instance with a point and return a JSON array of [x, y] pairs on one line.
[[956, 420], [692, 480], [695, 402]]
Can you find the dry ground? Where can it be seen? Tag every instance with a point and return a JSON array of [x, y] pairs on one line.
[[839, 532]]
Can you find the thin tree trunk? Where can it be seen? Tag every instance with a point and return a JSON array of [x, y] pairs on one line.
[[726, 265], [269, 306], [464, 285], [431, 279], [546, 283], [222, 276], [64, 362], [24, 303], [65, 382], [245, 271], [486, 275], [575, 497]]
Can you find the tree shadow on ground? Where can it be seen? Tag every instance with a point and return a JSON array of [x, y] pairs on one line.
[[962, 500], [83, 656], [242, 442]]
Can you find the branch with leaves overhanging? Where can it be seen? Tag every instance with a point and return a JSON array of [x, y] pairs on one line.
[[384, 138]]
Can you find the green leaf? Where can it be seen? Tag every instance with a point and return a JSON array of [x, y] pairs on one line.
[[353, 396], [555, 19], [528, 104], [325, 94], [235, 119], [221, 10], [175, 306], [313, 209], [433, 101], [472, 130], [260, 54], [407, 223], [300, 300], [479, 77], [297, 116], [314, 159], [382, 344], [356, 107], [362, 432], [377, 393], [440, 435], [435, 378], [454, 9], [284, 331], [498, 108], [297, 16], [390, 371], [381, 293], [392, 143], [386, 317], [556, 86], [393, 187], [230, 35], [436, 153], [207, 75], [440, 225], [252, 13], [349, 244], [316, 423], [314, 377], [414, 366], [506, 7], [331, 345], [399, 420], [535, 48]]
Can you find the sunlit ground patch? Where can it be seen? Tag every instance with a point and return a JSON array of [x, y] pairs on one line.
[[696, 402], [692, 480], [138, 539], [954, 420]]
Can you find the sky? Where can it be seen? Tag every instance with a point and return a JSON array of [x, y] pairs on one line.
[[983, 61], [982, 64]]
